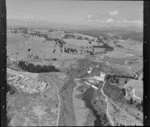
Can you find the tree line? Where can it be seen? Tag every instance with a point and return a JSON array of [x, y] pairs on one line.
[[37, 68]]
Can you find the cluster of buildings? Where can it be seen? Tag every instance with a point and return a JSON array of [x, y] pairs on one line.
[[27, 84], [96, 80], [31, 86]]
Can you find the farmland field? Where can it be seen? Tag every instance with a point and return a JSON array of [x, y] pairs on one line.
[[72, 55]]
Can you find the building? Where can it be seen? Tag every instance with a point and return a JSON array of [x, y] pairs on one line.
[[89, 71], [101, 77]]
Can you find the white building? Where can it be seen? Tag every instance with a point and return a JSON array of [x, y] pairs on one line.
[[89, 71], [94, 87], [101, 77], [102, 74], [91, 85]]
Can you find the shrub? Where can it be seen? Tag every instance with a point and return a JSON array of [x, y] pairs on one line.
[[37, 68]]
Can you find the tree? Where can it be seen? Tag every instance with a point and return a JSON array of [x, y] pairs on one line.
[[37, 68], [54, 50], [29, 49], [90, 42]]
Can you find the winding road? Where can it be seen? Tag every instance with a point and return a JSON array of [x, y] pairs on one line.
[[107, 104]]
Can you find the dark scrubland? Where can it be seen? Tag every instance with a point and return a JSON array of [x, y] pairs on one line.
[[96, 112], [37, 68], [11, 89], [113, 92], [112, 88]]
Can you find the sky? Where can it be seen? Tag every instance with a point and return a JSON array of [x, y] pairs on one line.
[[77, 12]]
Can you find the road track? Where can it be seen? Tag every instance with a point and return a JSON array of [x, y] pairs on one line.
[[107, 104], [59, 100]]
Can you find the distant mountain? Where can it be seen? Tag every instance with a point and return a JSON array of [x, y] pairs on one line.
[[133, 32], [138, 36], [114, 34]]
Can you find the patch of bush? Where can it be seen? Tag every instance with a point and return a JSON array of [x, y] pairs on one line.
[[54, 59], [11, 89], [37, 68], [70, 50]]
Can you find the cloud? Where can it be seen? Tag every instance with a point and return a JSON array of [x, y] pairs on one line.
[[13, 17], [21, 17], [102, 20], [116, 21], [89, 16], [113, 13], [26, 18], [109, 20], [133, 21]]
